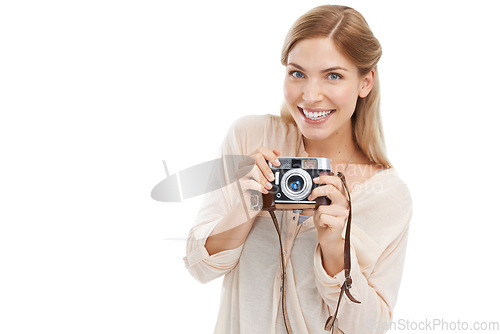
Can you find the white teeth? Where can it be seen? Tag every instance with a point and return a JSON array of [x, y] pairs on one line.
[[316, 115]]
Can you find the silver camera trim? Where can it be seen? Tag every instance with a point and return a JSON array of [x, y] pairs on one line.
[[323, 163], [307, 186]]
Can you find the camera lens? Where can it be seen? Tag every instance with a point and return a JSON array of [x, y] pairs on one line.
[[296, 183]]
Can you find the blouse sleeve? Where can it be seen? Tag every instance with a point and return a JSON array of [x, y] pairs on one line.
[[218, 203], [200, 264], [376, 291]]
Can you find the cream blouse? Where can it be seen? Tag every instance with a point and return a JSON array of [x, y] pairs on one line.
[[251, 298]]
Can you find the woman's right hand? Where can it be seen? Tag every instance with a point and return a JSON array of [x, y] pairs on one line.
[[253, 176], [256, 173]]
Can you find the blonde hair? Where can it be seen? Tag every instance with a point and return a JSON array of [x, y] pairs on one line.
[[351, 34]]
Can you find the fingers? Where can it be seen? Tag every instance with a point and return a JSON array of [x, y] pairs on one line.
[[249, 161], [249, 184], [261, 157], [329, 179], [332, 211], [258, 181], [330, 217], [333, 189], [259, 171], [330, 222]]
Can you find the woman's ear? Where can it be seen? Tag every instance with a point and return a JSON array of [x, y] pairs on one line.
[[367, 82]]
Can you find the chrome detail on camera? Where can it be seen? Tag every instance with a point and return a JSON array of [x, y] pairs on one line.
[[305, 189], [324, 164]]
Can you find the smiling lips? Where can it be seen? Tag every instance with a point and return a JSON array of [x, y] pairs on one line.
[[316, 115]]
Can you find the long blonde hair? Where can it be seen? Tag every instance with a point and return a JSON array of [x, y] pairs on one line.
[[351, 34]]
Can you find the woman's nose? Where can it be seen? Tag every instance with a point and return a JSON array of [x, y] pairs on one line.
[[312, 91]]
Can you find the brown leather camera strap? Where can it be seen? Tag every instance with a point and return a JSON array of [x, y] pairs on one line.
[[332, 320], [283, 275]]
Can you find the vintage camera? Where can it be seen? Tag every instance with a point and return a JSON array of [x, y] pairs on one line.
[[293, 182]]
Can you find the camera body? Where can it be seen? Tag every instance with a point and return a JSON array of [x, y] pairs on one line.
[[293, 183]]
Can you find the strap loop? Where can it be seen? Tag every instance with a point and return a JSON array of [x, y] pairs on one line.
[[348, 281]]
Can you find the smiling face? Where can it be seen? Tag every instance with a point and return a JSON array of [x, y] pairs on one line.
[[321, 88]]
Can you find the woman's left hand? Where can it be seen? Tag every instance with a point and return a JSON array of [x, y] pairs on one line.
[[330, 219]]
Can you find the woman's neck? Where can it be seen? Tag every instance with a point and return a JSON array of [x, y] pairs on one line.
[[339, 147]]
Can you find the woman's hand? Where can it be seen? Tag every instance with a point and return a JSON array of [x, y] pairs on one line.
[[253, 176], [330, 219], [256, 176]]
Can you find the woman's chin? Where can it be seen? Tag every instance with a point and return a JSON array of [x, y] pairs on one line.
[[314, 135], [313, 131]]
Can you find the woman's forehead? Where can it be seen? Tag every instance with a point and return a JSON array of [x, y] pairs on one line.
[[318, 54]]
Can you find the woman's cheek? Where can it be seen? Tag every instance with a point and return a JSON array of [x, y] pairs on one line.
[[341, 97], [290, 92]]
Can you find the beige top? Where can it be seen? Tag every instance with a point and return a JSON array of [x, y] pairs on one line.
[[251, 298]]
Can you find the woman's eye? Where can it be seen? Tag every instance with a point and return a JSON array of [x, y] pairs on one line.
[[334, 76], [297, 74]]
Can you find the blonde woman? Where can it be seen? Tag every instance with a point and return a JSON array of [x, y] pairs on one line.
[[331, 110]]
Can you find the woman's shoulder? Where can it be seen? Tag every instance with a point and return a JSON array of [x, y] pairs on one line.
[[385, 192], [385, 185], [264, 130], [383, 205], [394, 184]]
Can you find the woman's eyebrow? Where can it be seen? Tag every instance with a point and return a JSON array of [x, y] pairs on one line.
[[295, 65], [330, 69], [335, 68]]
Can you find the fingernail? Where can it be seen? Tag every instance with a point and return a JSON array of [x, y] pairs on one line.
[[277, 162], [316, 179], [266, 191], [268, 185], [309, 197], [271, 177]]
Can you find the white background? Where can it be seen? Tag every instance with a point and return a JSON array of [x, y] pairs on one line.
[[95, 94]]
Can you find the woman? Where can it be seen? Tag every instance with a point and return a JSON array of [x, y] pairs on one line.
[[331, 110]]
